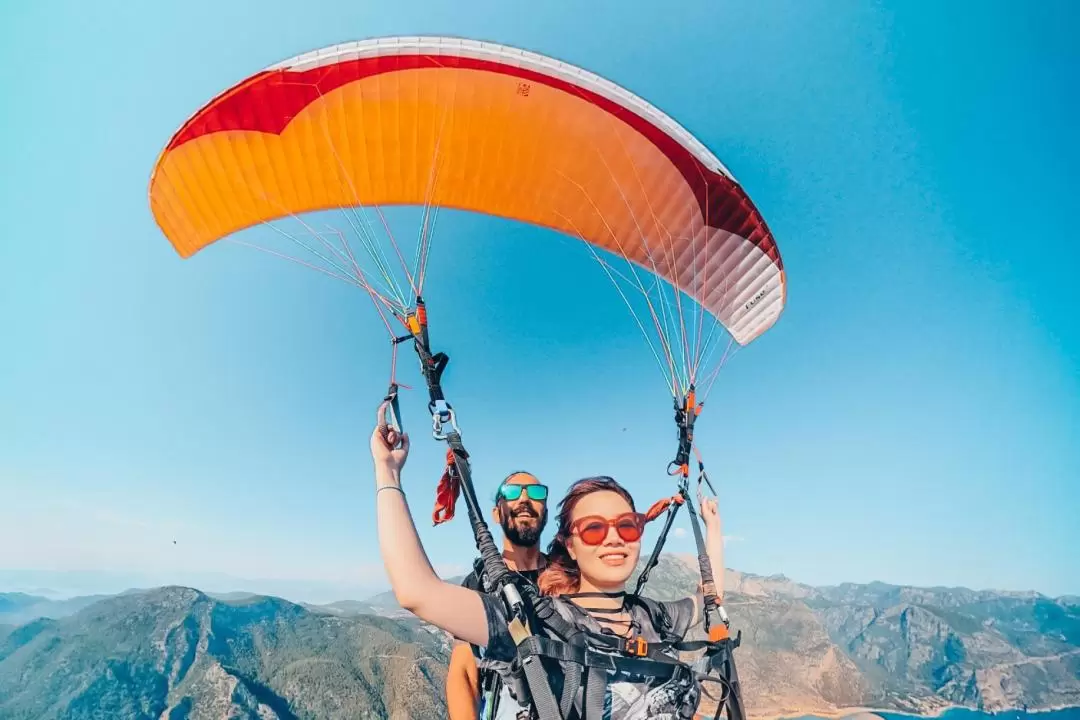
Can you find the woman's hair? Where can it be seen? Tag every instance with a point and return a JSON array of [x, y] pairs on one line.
[[562, 575]]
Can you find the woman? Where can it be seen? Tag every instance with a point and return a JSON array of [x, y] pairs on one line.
[[596, 548]]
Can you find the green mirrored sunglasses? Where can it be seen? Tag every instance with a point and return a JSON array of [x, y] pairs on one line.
[[513, 492]]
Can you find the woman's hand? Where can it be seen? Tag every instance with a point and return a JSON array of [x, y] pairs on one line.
[[389, 448], [710, 513]]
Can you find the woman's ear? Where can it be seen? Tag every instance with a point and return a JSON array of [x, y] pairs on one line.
[[570, 550]]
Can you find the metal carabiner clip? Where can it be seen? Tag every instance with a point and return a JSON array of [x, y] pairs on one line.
[[441, 415]]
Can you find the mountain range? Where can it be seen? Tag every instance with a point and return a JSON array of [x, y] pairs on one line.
[[176, 653]]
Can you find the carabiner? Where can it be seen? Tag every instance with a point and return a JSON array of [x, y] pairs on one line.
[[441, 415]]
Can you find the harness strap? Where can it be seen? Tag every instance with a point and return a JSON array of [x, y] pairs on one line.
[[660, 619], [542, 696], [671, 505], [595, 692], [571, 692], [554, 623], [588, 657], [458, 479]]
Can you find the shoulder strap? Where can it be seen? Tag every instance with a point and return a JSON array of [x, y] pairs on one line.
[[481, 579], [659, 616]]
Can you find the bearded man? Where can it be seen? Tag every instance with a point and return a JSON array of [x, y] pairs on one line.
[[521, 511]]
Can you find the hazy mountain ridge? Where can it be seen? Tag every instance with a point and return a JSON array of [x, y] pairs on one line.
[[813, 649], [177, 653], [805, 650], [382, 604], [18, 608], [346, 608]]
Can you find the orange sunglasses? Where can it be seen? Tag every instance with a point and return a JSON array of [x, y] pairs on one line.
[[593, 529]]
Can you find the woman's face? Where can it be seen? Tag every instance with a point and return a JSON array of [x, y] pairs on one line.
[[605, 566]]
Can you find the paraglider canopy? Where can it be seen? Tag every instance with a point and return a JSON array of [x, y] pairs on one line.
[[448, 122]]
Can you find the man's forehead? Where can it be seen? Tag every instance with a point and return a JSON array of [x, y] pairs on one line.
[[522, 478]]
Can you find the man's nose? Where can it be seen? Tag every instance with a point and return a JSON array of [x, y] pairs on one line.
[[526, 500]]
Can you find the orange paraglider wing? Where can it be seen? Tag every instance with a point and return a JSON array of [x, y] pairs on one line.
[[509, 133]]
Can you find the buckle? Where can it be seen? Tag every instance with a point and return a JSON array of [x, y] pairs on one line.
[[636, 646]]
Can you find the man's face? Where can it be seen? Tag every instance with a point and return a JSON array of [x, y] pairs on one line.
[[522, 518]]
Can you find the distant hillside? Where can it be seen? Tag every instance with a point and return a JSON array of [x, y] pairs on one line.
[[232, 596], [918, 650], [386, 604], [18, 608], [345, 608], [176, 653]]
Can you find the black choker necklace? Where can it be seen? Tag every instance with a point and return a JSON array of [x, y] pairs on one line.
[[610, 611], [628, 626]]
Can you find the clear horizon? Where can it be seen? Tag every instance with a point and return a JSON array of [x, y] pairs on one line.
[[912, 418]]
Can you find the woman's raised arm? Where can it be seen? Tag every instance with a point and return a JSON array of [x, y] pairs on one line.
[[453, 608], [714, 542]]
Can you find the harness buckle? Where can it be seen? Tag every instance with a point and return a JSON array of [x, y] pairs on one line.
[[719, 633], [636, 646]]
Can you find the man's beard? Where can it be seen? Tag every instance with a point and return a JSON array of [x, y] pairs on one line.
[[523, 536]]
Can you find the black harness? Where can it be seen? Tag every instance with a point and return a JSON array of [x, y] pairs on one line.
[[586, 660]]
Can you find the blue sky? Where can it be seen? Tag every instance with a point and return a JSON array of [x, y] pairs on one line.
[[912, 418]]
